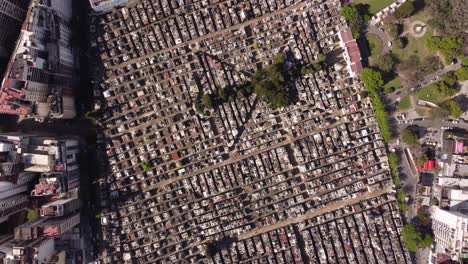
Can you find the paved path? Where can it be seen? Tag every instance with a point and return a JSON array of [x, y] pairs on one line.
[[311, 214]]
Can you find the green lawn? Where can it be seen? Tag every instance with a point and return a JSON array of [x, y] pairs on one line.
[[415, 46], [375, 5], [432, 94], [404, 104], [392, 85], [375, 46]]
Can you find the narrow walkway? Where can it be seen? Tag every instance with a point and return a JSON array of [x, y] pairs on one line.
[[328, 208]]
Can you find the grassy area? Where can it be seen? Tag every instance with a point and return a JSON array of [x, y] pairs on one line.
[[404, 104], [375, 44], [392, 85], [375, 5], [415, 46], [432, 94]]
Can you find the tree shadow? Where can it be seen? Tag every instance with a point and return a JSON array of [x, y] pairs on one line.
[[462, 100], [419, 5]]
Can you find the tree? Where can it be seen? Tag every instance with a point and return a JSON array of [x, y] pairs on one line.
[[279, 59], [411, 237], [199, 106], [449, 78], [372, 79], [321, 58], [385, 63], [447, 16], [404, 10], [427, 240], [445, 89], [353, 18], [462, 74], [409, 137], [146, 166], [454, 108], [207, 100], [401, 198], [373, 82], [451, 46]]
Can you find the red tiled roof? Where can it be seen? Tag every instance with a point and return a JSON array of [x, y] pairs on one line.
[[346, 36]]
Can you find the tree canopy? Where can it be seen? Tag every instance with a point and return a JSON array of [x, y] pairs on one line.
[[450, 46], [409, 137], [454, 108], [372, 79], [353, 18], [270, 83], [447, 16], [373, 82], [462, 74], [413, 238], [207, 100]]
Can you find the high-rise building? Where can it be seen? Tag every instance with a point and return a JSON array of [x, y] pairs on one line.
[[39, 77], [12, 14], [25, 157], [450, 232]]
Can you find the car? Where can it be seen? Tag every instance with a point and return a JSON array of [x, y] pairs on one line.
[[389, 43], [455, 121], [398, 99]]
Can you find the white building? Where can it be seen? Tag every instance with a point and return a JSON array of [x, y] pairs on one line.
[[450, 232], [105, 5]]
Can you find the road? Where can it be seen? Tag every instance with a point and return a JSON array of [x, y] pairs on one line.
[[421, 83], [436, 123]]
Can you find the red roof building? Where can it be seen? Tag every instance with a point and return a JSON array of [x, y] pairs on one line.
[[352, 54]]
